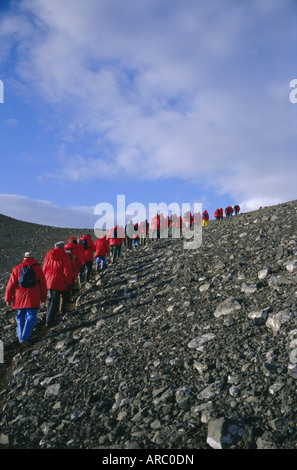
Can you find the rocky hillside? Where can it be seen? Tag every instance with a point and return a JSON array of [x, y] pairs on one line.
[[167, 349]]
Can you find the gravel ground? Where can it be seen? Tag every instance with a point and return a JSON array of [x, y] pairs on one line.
[[168, 348]]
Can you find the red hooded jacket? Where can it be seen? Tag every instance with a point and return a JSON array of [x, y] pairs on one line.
[[75, 258], [57, 269], [101, 246], [77, 250], [144, 227], [217, 213], [89, 253], [197, 218], [80, 251], [24, 297], [229, 210], [187, 217], [118, 240], [159, 222]]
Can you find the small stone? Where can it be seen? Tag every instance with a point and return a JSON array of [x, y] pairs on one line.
[[292, 266], [273, 389], [293, 356], [263, 273], [248, 288], [234, 391], [4, 439], [197, 342], [52, 390], [204, 287], [117, 309], [275, 321], [227, 307]]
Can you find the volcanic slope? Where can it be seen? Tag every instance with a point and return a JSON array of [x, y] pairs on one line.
[[169, 348]]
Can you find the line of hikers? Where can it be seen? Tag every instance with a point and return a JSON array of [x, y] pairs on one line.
[[68, 265], [219, 214]]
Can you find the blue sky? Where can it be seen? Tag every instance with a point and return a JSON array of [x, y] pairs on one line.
[[158, 100]]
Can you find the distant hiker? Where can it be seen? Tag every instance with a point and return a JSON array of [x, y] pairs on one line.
[[197, 218], [236, 209], [144, 230], [57, 269], [101, 251], [205, 218], [25, 291], [115, 238], [78, 258], [83, 257], [135, 236], [177, 225], [219, 214], [73, 251], [88, 244], [66, 295], [163, 226], [129, 229], [229, 211], [156, 226], [188, 220]]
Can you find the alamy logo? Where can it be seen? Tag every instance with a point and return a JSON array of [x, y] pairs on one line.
[[1, 92], [161, 212]]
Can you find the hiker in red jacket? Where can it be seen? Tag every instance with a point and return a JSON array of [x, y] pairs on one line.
[[219, 214], [188, 220], [229, 211], [115, 238], [156, 226], [26, 300], [88, 244], [197, 218], [101, 250], [57, 269], [144, 230], [78, 251], [76, 257], [83, 260], [135, 241], [236, 209], [205, 218]]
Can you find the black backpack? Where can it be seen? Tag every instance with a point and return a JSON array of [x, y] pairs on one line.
[[27, 277], [84, 244]]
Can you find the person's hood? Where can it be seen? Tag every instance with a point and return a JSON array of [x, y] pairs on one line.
[[30, 262], [56, 254]]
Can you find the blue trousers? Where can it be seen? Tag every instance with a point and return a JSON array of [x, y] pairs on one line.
[[26, 320], [101, 259]]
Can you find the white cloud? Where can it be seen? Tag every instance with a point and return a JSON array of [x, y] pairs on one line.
[[166, 89], [45, 213]]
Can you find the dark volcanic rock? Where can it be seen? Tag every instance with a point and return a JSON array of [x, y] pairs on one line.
[[166, 349]]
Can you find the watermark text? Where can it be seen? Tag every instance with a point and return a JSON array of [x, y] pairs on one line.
[[160, 217]]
